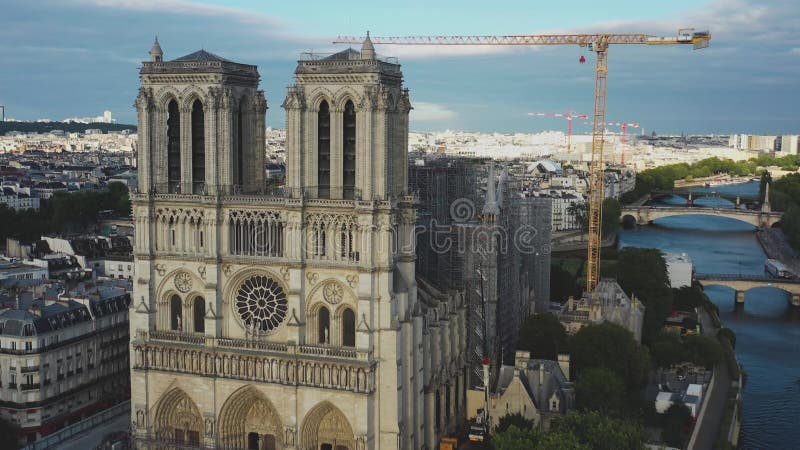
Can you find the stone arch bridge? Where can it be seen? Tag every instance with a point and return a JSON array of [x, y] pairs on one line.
[[646, 214], [743, 283]]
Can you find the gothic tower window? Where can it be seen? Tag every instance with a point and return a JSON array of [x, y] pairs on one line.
[[239, 174], [348, 328], [323, 325], [173, 145], [346, 243], [319, 239], [175, 313], [349, 150], [198, 148], [199, 309], [324, 150]]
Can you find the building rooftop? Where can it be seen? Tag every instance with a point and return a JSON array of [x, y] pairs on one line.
[[201, 55], [33, 312]]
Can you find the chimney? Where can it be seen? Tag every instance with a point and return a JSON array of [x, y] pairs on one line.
[[541, 374], [563, 362]]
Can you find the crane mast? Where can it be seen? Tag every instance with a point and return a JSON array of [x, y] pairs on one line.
[[597, 43]]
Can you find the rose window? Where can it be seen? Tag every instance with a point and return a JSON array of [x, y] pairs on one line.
[[261, 304]]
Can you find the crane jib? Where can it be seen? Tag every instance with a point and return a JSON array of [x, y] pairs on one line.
[[597, 43]]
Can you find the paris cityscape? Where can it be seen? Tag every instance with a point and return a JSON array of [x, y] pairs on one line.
[[235, 225]]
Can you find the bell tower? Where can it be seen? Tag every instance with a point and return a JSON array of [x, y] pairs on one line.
[[201, 125], [347, 122]]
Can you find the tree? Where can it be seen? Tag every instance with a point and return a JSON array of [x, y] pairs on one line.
[[676, 423], [65, 212], [600, 432], [727, 334], [600, 389], [562, 284], [514, 438], [612, 347], [643, 272], [560, 440], [611, 216], [703, 350], [667, 349], [542, 335], [517, 420], [687, 298]]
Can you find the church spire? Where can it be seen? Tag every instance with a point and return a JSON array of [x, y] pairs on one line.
[[490, 207], [367, 49], [156, 54]]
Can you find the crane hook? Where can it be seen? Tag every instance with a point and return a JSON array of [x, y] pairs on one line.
[[582, 59]]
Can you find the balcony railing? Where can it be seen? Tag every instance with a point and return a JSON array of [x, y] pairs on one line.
[[328, 351], [306, 192], [29, 387], [29, 369], [252, 344], [177, 336], [323, 367]]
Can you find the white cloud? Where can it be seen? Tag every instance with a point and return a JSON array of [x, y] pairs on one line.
[[188, 8], [430, 112]]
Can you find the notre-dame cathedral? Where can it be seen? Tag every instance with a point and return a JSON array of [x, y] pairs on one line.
[[284, 317]]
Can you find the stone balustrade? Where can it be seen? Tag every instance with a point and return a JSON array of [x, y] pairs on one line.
[[255, 360]]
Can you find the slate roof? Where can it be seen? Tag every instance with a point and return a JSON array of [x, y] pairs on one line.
[[106, 298], [201, 55], [348, 54]]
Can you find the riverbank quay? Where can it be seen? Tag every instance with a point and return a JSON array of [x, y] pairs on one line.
[[776, 246], [578, 240], [719, 423]]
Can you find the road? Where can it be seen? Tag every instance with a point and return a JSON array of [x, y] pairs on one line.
[[717, 397], [93, 438]]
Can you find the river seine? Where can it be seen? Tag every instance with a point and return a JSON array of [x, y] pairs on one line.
[[767, 328]]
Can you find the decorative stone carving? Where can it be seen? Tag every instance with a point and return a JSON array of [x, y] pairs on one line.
[[352, 280], [227, 269], [312, 277], [183, 282], [289, 436], [284, 273], [209, 427], [140, 419], [202, 271], [332, 292], [161, 269], [361, 443]]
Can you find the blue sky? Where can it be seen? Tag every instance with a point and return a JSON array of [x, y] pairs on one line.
[[61, 58]]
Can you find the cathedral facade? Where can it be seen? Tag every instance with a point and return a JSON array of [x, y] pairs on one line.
[[284, 317]]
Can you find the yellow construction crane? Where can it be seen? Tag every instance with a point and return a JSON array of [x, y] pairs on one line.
[[597, 43]]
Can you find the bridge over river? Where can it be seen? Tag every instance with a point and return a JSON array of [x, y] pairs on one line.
[[646, 214], [743, 283]]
